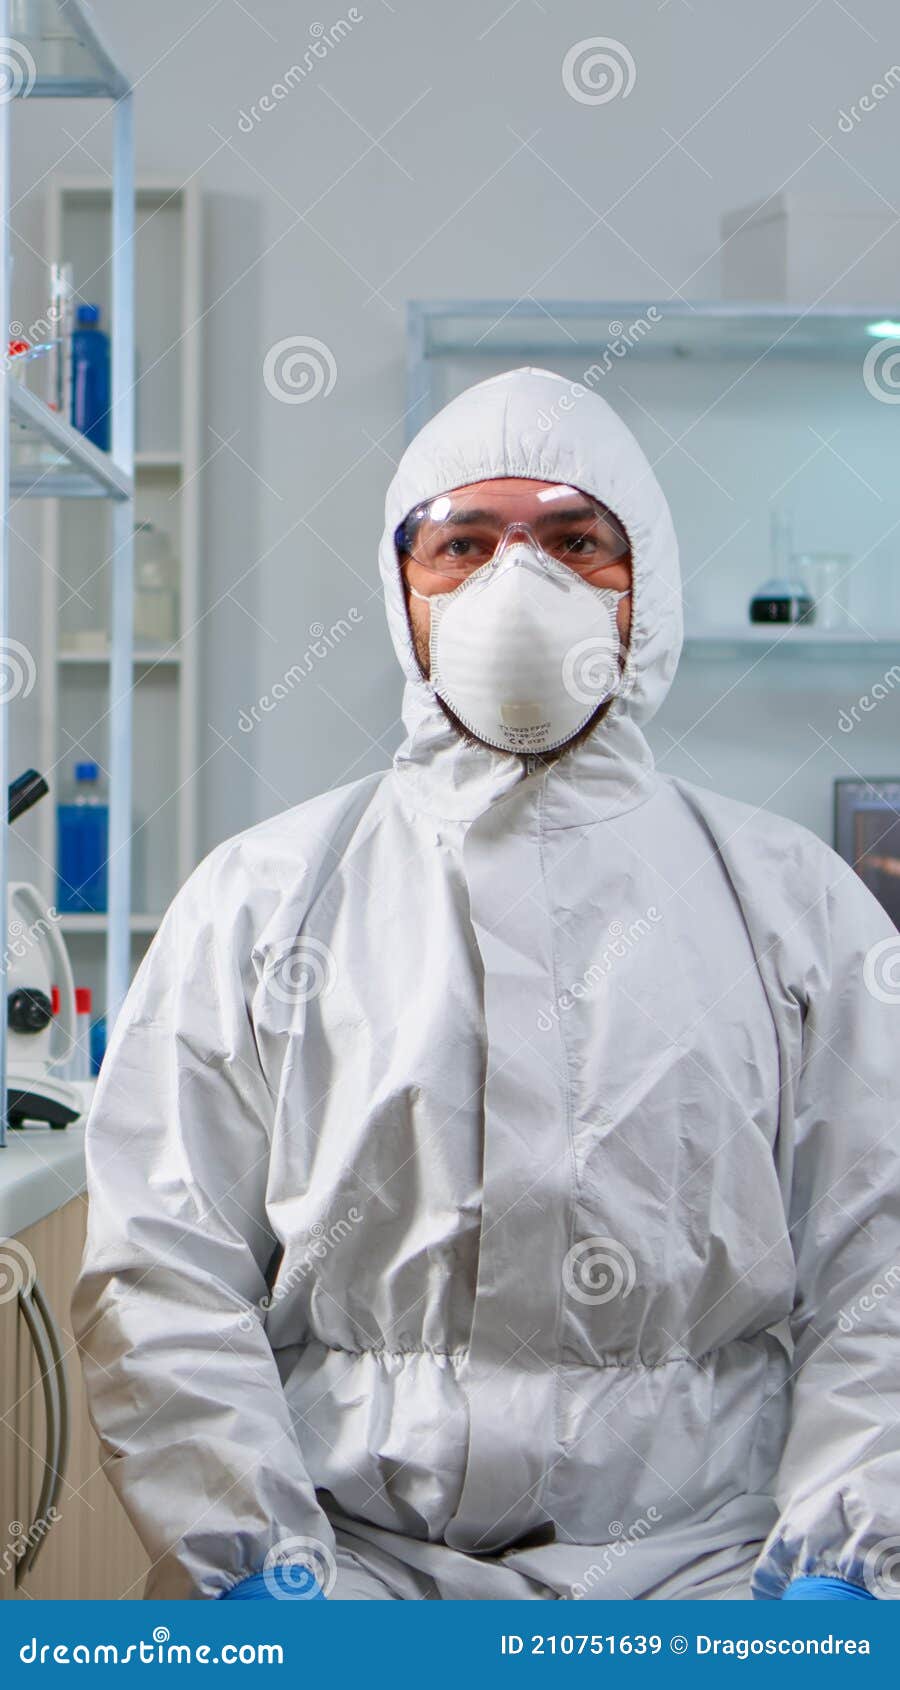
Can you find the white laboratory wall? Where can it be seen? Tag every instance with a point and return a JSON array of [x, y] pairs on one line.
[[436, 153]]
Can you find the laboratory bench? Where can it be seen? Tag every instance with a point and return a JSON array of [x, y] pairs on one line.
[[63, 1533]]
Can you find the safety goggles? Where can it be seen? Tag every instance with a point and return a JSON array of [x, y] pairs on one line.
[[458, 533]]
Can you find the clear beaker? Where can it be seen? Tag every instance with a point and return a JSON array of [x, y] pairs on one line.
[[825, 575]]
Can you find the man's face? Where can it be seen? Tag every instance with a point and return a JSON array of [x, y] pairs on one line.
[[512, 501], [564, 523]]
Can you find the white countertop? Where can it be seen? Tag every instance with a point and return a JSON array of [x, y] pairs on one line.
[[40, 1169]]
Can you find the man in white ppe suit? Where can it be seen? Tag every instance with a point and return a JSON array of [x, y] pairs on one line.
[[494, 1159]]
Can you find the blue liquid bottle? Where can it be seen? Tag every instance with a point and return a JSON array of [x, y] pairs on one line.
[[90, 377], [98, 1044], [82, 845]]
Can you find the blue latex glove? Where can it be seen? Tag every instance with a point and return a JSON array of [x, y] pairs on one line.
[[292, 1584], [826, 1590]]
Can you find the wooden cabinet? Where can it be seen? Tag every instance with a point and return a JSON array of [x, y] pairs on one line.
[[9, 1321], [88, 1548]]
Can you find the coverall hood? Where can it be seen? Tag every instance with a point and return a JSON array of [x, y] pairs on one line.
[[529, 423]]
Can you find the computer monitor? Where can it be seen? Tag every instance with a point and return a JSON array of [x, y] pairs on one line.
[[867, 835]]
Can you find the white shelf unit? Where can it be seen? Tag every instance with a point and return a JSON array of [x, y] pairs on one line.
[[167, 485], [61, 55]]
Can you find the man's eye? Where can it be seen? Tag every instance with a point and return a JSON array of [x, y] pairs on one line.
[[468, 548], [582, 545]]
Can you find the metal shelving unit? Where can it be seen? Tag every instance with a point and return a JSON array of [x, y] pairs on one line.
[[606, 337], [167, 464], [41, 456], [706, 330], [788, 640]]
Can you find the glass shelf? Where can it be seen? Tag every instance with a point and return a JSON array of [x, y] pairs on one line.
[[741, 408], [783, 639], [50, 459], [90, 923], [147, 657], [158, 462], [652, 329], [60, 52]]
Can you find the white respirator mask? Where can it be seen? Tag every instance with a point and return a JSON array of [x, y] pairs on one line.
[[524, 651]]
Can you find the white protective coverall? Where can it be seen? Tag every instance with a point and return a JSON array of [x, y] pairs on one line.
[[550, 1113]]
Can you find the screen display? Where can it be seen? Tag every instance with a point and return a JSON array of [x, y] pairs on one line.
[[867, 835]]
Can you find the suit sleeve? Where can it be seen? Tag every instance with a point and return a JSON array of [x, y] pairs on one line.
[[838, 1487], [184, 1391]]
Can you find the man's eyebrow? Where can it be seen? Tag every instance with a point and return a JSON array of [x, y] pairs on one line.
[[467, 514], [570, 513]]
